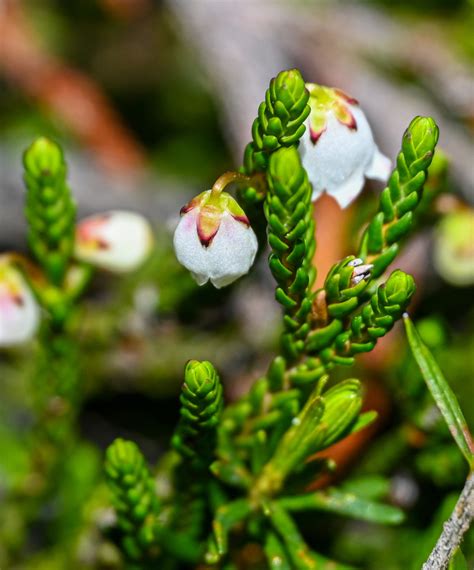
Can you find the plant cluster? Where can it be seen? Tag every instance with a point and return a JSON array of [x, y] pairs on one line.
[[239, 473]]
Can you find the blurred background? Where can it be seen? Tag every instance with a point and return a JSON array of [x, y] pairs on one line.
[[152, 101]]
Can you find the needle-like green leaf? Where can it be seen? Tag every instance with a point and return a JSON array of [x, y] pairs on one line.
[[441, 392], [458, 561], [347, 504]]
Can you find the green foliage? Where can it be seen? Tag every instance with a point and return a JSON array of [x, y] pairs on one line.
[[50, 210], [289, 215], [398, 201], [239, 475], [280, 123], [280, 120], [56, 391], [201, 405], [195, 441], [346, 504], [134, 500]]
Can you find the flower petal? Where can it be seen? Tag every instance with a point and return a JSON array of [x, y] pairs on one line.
[[380, 167], [348, 191]]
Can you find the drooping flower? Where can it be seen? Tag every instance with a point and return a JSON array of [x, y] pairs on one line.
[[214, 239], [118, 241], [19, 312], [338, 149]]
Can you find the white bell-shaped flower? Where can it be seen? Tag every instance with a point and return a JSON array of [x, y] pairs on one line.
[[214, 240], [117, 241], [338, 149], [19, 312]]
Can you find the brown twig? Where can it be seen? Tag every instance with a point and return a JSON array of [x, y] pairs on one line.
[[454, 529]]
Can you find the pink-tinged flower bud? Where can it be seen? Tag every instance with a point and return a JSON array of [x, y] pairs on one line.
[[19, 312], [117, 241], [214, 239], [338, 149]]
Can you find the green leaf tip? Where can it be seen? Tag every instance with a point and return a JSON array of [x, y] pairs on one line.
[[44, 157], [280, 120], [289, 88], [422, 135], [198, 374], [441, 391]]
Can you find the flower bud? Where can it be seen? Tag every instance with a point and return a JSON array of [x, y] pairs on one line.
[[454, 248], [343, 403], [19, 312], [398, 290], [338, 148], [420, 138], [214, 239], [117, 241]]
